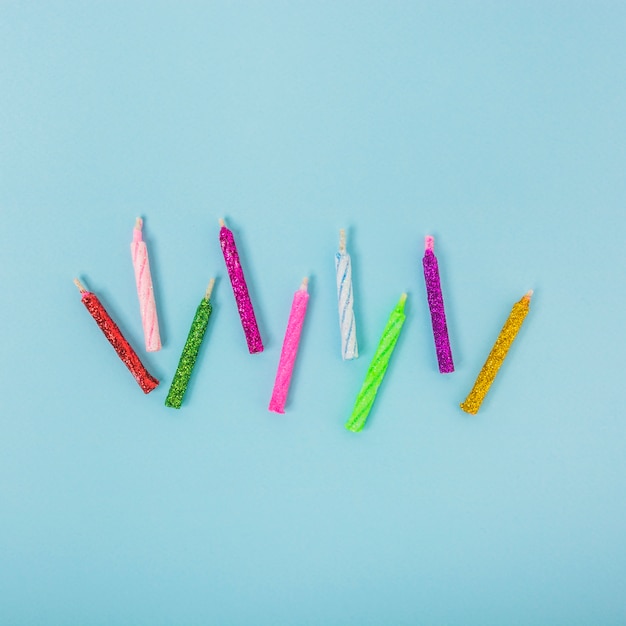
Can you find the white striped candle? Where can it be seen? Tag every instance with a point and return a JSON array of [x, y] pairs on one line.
[[347, 325]]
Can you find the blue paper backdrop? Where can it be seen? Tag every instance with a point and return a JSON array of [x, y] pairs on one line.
[[497, 127]]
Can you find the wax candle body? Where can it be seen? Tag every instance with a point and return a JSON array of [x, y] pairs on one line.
[[437, 311], [145, 291], [377, 368], [111, 331], [347, 324], [290, 349], [240, 289], [496, 356], [190, 352]]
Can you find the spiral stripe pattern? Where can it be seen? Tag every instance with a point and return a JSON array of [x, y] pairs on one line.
[[145, 292], [347, 324], [289, 351], [377, 368]]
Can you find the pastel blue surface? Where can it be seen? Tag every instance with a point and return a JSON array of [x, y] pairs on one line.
[[497, 127]]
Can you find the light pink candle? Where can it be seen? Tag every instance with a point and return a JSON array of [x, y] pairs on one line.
[[290, 348], [145, 292]]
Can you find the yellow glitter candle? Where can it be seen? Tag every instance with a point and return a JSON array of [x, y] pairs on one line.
[[496, 356]]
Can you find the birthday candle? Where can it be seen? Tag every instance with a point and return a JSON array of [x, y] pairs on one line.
[[117, 340], [240, 289], [145, 292], [290, 348], [347, 326], [496, 356], [437, 311], [190, 351], [377, 368]]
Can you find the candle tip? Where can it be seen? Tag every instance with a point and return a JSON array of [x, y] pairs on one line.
[[79, 285], [304, 284], [138, 223], [342, 240], [429, 243], [209, 289], [402, 299], [529, 294], [221, 221]]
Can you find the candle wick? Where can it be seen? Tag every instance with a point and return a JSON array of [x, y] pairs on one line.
[[529, 294], [209, 289], [304, 284], [221, 221], [79, 285], [429, 243], [138, 223], [342, 240]]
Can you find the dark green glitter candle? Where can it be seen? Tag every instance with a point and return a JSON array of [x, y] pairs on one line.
[[190, 351]]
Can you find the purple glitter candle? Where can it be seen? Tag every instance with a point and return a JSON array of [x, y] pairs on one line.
[[240, 289], [437, 311]]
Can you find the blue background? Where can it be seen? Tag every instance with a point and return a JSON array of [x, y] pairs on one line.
[[497, 127]]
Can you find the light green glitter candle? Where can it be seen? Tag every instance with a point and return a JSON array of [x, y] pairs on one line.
[[190, 351], [377, 368]]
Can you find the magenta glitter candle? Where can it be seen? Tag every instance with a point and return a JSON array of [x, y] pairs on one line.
[[290, 349], [240, 289], [437, 311]]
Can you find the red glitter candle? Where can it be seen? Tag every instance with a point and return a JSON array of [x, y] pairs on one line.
[[111, 331]]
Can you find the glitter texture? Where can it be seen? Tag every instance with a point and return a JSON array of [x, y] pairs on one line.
[[347, 325], [496, 356], [145, 292], [240, 289], [189, 355], [117, 340], [290, 349], [437, 311], [377, 368]]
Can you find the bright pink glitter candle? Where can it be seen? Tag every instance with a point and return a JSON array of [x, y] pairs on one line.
[[240, 289], [290, 348]]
